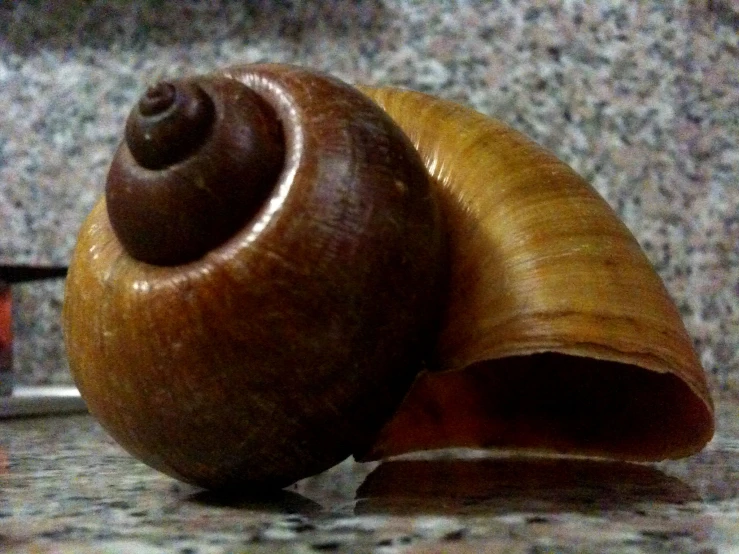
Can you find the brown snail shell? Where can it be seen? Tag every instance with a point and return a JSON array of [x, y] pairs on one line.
[[247, 363], [279, 351]]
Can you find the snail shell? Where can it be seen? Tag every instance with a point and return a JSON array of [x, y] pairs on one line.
[[281, 349], [298, 335], [559, 335]]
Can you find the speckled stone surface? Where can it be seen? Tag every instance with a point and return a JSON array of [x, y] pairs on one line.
[[642, 98], [66, 488]]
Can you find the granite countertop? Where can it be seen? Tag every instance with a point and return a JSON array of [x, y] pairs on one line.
[[641, 98], [65, 487]]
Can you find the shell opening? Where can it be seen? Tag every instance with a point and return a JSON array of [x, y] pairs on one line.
[[551, 402]]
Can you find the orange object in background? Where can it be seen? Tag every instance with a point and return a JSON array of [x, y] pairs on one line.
[[16, 398], [6, 341], [9, 275]]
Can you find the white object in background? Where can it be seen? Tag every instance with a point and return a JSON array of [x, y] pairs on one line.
[[37, 401]]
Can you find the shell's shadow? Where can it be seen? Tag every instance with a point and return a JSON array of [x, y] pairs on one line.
[[276, 502], [447, 484]]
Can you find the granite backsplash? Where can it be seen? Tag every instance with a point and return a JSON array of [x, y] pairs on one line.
[[641, 98]]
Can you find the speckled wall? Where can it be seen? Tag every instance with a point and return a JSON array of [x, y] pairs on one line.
[[641, 98]]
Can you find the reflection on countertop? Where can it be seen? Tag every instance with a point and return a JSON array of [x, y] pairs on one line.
[[504, 485], [65, 486]]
